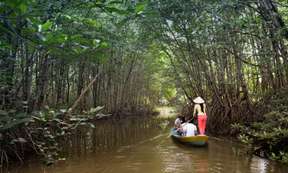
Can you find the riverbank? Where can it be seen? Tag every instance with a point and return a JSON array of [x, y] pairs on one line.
[[268, 136]]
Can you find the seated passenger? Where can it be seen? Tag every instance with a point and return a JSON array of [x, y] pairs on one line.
[[189, 129], [177, 124], [178, 121]]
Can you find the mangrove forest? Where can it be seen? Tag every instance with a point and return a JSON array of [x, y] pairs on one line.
[[88, 76]]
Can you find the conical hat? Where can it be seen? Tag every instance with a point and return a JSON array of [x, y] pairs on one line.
[[198, 100]]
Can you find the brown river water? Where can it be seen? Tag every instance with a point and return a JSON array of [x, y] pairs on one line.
[[143, 145]]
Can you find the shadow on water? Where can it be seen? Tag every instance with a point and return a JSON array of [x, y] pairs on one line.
[[144, 145]]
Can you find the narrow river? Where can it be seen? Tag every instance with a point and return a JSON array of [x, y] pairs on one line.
[[143, 145]]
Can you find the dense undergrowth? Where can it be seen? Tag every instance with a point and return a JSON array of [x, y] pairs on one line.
[[38, 133], [269, 135]]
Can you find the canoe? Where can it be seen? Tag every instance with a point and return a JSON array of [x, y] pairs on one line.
[[199, 140]]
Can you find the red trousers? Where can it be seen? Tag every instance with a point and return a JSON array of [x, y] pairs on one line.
[[202, 123]]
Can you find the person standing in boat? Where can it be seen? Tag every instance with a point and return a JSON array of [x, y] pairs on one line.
[[200, 112]]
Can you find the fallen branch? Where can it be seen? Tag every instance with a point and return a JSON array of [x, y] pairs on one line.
[[81, 96]]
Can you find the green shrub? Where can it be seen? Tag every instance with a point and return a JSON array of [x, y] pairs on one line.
[[269, 137]]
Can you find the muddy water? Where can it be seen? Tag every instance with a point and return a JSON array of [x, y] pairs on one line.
[[144, 145]]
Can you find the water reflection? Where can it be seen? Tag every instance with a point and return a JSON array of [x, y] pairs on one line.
[[134, 145], [258, 165], [108, 135]]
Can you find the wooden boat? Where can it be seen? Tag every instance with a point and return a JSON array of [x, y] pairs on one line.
[[199, 140]]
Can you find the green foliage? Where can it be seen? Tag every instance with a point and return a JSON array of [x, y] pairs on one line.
[[144, 51], [282, 156], [269, 136], [46, 26], [11, 120], [169, 92], [19, 5], [41, 131], [140, 6]]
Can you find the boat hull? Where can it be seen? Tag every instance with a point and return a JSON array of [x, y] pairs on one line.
[[199, 140]]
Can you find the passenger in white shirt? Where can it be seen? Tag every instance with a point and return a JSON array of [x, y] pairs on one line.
[[189, 129]]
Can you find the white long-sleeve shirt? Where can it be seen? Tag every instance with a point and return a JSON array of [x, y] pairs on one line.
[[189, 129]]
